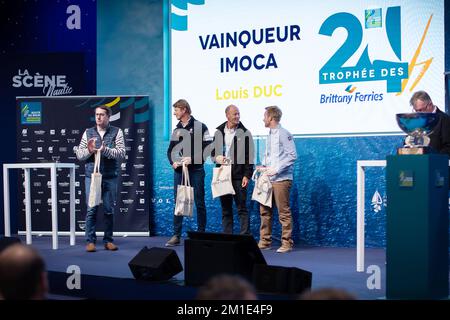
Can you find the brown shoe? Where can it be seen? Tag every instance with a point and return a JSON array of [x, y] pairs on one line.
[[111, 246], [90, 247], [174, 241]]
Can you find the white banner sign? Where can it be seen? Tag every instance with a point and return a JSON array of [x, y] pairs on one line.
[[333, 67]]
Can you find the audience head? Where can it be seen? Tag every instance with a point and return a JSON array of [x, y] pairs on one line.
[[327, 294], [227, 287], [22, 274]]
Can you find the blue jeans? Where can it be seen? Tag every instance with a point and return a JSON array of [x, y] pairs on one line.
[[197, 179], [109, 193]]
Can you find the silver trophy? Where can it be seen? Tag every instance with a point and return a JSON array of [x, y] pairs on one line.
[[418, 127]]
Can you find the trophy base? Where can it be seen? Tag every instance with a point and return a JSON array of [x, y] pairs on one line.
[[414, 150]]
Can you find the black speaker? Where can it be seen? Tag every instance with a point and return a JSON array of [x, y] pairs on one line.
[[7, 241], [210, 254], [155, 264], [276, 279]]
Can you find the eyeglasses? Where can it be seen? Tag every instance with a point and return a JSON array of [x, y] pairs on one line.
[[419, 109]]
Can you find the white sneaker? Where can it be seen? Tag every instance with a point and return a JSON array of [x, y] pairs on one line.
[[284, 249]]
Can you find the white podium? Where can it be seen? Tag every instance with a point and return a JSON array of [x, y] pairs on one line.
[[54, 201], [360, 204]]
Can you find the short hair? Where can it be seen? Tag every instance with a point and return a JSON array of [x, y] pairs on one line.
[[227, 109], [183, 104], [419, 95], [227, 287], [107, 109], [274, 112], [21, 270]]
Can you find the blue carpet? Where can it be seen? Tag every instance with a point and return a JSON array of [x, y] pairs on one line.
[[331, 267]]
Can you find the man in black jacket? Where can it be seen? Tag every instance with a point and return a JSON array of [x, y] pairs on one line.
[[187, 145], [234, 143], [440, 137]]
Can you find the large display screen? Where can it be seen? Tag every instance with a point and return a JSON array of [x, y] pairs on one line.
[[333, 67]]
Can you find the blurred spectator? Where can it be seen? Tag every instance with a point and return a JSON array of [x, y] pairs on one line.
[[327, 294], [5, 242], [22, 274], [227, 287]]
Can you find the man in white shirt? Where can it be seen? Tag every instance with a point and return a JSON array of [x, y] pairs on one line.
[[278, 163]]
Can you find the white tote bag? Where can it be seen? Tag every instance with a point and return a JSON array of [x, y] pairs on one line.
[[221, 181], [185, 196], [262, 191], [95, 191]]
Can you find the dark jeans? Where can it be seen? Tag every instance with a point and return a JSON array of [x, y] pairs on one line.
[[197, 179], [240, 198], [109, 193]]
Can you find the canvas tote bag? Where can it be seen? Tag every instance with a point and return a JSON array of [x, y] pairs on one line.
[[221, 181], [185, 196], [262, 192], [95, 191]]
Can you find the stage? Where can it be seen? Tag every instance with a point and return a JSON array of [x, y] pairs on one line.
[[106, 275]]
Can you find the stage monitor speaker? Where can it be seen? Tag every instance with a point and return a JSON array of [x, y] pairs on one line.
[[155, 264], [7, 241], [210, 254], [276, 279]]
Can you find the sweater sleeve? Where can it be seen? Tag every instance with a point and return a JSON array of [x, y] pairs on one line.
[[118, 152], [82, 152]]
